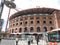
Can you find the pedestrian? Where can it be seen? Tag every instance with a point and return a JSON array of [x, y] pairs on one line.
[[28, 42], [37, 39]]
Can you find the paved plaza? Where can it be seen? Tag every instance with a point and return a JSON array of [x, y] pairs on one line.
[[22, 42]]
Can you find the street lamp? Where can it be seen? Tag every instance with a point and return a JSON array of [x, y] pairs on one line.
[[10, 4]]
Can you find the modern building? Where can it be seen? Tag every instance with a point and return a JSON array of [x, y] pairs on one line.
[[34, 20]]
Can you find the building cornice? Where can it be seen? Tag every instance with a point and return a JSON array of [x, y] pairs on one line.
[[34, 11]]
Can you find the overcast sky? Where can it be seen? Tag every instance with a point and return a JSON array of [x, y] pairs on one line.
[[25, 4]]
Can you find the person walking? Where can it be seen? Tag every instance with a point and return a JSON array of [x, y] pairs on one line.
[[37, 38]]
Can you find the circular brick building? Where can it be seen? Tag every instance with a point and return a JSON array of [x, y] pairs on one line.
[[34, 20]]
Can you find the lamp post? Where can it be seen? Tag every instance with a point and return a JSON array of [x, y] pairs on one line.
[[10, 4]]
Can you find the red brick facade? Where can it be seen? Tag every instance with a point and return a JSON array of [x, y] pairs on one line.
[[34, 20]]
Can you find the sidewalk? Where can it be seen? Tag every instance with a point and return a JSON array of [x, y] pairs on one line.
[[22, 42]]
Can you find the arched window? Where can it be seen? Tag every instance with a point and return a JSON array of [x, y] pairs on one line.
[[50, 22], [51, 28], [12, 30], [44, 17], [16, 20], [44, 22], [31, 22], [31, 18], [13, 24], [15, 28], [45, 29], [25, 22], [37, 17], [38, 29], [21, 18], [20, 23], [20, 29], [50, 17], [26, 18], [38, 22], [25, 29], [16, 24], [31, 29]]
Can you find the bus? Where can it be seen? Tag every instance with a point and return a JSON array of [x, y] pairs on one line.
[[54, 37]]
